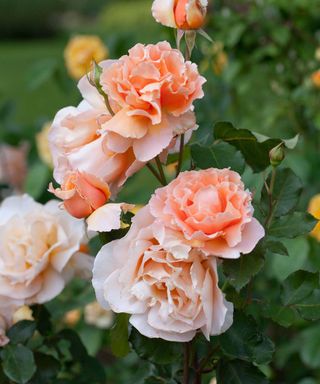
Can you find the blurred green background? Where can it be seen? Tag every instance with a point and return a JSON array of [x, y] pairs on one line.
[[259, 70]]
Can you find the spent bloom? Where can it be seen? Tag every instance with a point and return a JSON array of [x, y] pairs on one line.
[[80, 51], [13, 165], [181, 14], [170, 289], [39, 250], [211, 210]]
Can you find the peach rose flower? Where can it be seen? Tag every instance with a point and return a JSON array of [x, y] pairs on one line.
[[39, 250], [81, 51], [170, 289], [181, 14], [151, 91], [211, 210]]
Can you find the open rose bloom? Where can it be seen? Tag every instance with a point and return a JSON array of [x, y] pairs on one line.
[[211, 210], [151, 92], [170, 289], [164, 271], [39, 250]]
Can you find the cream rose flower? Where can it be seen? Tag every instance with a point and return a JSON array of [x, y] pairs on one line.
[[170, 289], [211, 210], [95, 315], [39, 250]]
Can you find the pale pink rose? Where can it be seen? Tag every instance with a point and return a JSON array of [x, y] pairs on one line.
[[82, 194], [13, 165], [181, 14], [170, 289], [210, 209], [39, 250], [152, 90], [78, 143]]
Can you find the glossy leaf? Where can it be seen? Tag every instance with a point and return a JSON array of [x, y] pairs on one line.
[[21, 331], [18, 363], [292, 225], [239, 372], [120, 336]]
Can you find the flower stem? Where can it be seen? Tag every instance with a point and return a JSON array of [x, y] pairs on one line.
[[154, 172], [161, 172], [180, 155], [106, 99], [270, 192], [186, 363]]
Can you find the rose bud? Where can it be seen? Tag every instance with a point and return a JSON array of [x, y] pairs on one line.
[[181, 14], [82, 193]]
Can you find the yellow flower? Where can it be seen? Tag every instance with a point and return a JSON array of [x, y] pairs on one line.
[[43, 145], [314, 209], [81, 51], [220, 62], [23, 313], [315, 78]]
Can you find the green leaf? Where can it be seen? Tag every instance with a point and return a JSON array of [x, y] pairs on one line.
[[309, 309], [48, 369], [298, 286], [244, 341], [217, 155], [18, 363], [157, 351], [37, 180], [286, 193], [275, 248], [76, 348], [21, 331], [255, 153], [239, 372], [240, 271], [310, 347], [292, 225], [284, 316], [120, 336]]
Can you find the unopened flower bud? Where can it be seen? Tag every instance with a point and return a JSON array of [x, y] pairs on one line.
[[277, 155], [181, 14]]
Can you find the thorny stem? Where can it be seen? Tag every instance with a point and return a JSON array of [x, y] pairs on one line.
[[161, 172], [270, 192], [180, 155], [186, 363]]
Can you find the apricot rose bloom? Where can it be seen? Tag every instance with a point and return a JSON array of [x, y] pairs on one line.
[[314, 210], [81, 51], [39, 250], [315, 78], [211, 210], [151, 90], [181, 14], [170, 289]]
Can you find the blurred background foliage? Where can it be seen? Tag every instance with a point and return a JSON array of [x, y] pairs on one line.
[[260, 71]]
